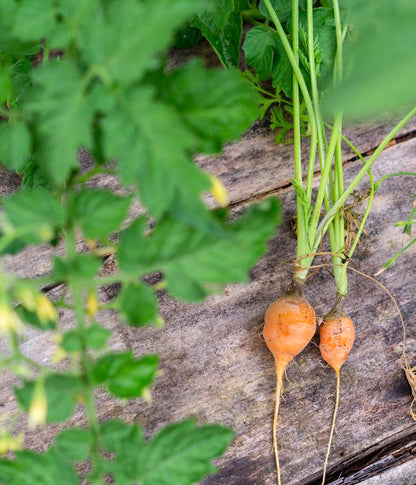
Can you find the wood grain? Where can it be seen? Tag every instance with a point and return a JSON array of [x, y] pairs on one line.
[[217, 368]]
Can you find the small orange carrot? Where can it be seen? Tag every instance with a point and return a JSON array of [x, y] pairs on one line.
[[289, 325], [336, 340]]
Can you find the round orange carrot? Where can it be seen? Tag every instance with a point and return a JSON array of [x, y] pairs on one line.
[[337, 338], [289, 325]]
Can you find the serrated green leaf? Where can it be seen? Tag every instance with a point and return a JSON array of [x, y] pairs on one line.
[[64, 114], [35, 212], [181, 453], [124, 375], [154, 147], [215, 105], [74, 443], [325, 40], [60, 390], [124, 37], [29, 467], [137, 303], [15, 145], [98, 212], [221, 25], [259, 48], [126, 440], [192, 261]]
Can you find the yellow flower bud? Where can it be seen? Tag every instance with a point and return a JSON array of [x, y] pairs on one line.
[[146, 395], [39, 406], [45, 233], [45, 309], [92, 305], [219, 191], [9, 320]]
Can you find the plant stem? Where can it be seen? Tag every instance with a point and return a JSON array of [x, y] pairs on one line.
[[316, 105], [301, 222], [85, 359]]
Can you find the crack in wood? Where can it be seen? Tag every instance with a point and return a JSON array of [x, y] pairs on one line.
[[368, 463], [367, 153]]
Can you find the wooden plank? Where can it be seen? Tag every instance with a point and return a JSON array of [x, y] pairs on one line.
[[254, 167], [217, 367], [249, 169]]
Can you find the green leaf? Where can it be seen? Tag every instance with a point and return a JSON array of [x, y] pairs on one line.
[[33, 319], [221, 25], [140, 132], [81, 267], [126, 440], [187, 37], [282, 71], [380, 58], [98, 212], [60, 390], [215, 105], [15, 145], [34, 177], [181, 454], [115, 434], [74, 443], [5, 83], [283, 8], [137, 303], [259, 48], [71, 341], [124, 375], [193, 261], [29, 467], [325, 41], [9, 43], [36, 20], [64, 114], [124, 37], [37, 210], [97, 336]]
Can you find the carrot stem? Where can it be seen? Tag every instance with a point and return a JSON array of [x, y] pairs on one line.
[[280, 369], [334, 417]]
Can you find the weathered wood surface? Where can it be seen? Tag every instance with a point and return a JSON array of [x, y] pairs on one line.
[[217, 367]]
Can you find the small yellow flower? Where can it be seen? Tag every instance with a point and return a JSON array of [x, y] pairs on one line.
[[45, 309], [38, 407], [92, 305], [219, 191], [9, 320]]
